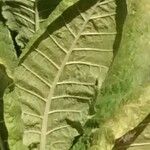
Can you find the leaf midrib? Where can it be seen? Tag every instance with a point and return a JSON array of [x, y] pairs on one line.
[[52, 90]]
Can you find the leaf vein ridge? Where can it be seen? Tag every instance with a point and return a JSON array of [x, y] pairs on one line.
[[64, 111], [92, 49], [31, 114], [139, 144], [105, 2], [55, 41], [69, 29], [83, 17], [103, 16], [77, 83], [36, 75], [56, 129], [82, 63], [24, 18], [98, 33], [70, 96], [47, 58], [32, 131], [31, 92], [24, 7]]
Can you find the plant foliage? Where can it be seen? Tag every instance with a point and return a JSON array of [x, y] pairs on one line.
[[82, 81]]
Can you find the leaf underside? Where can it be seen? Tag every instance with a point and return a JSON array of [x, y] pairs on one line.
[[56, 79]]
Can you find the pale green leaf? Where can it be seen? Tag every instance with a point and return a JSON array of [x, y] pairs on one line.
[[124, 100], [8, 61], [56, 80], [4, 82], [12, 114]]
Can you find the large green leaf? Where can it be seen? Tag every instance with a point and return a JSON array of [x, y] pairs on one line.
[[27, 16], [124, 100], [56, 80], [8, 61]]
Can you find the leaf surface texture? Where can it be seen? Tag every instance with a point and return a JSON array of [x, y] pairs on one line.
[[8, 61]]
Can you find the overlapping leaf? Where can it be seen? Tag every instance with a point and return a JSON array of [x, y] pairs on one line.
[[22, 17], [8, 61], [125, 101], [27, 16], [4, 82], [56, 80]]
